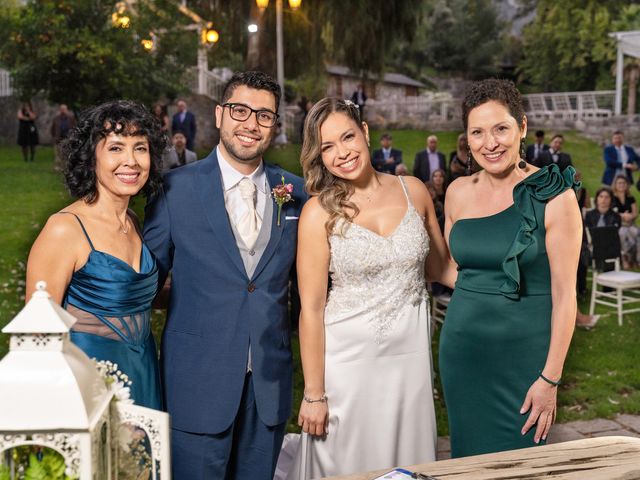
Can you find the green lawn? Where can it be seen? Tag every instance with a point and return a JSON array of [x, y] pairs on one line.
[[601, 374]]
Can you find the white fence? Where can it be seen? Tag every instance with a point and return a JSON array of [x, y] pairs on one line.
[[548, 107], [5, 84], [570, 105]]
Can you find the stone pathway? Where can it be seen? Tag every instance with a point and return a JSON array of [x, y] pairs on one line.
[[621, 425]]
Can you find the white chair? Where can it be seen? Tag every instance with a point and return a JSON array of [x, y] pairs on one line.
[[624, 285], [439, 304]]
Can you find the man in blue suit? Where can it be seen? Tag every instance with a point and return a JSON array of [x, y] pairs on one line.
[[226, 356], [387, 158], [619, 159], [184, 121]]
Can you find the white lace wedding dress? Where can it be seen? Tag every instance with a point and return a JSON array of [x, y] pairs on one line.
[[377, 355]]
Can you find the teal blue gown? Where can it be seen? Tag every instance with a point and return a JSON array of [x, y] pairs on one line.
[[497, 329], [120, 298]]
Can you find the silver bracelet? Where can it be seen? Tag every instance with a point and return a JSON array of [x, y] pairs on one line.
[[322, 399]]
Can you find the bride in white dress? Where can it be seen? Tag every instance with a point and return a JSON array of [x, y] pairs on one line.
[[365, 345]]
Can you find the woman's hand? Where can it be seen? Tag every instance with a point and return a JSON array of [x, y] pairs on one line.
[[541, 400], [313, 417]]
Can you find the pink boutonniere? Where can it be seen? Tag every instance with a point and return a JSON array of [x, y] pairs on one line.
[[282, 194]]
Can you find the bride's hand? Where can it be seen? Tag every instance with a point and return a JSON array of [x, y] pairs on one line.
[[313, 417]]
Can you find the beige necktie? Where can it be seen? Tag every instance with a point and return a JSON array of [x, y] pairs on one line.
[[249, 223]]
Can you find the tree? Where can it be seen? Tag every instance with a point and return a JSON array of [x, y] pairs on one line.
[[568, 48], [464, 36], [70, 51]]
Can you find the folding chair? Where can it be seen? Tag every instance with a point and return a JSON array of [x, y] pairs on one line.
[[624, 285]]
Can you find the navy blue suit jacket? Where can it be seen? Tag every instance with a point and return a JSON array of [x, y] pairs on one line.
[[215, 309], [377, 159], [613, 163], [188, 127]]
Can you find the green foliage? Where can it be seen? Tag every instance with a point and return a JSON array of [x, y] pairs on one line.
[[5, 473], [51, 467], [463, 36], [568, 48], [70, 50]]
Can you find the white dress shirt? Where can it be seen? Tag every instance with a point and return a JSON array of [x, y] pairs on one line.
[[233, 202]]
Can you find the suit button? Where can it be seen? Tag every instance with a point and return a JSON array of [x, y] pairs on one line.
[[252, 252], [251, 288]]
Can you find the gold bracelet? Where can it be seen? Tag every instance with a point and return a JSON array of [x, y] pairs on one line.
[[322, 399]]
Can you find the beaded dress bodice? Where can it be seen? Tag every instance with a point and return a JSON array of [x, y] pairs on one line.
[[374, 276]]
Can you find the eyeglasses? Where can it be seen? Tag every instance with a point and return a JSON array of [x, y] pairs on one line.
[[241, 112]]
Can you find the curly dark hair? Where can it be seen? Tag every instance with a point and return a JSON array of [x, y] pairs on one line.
[[501, 91], [252, 79], [123, 117]]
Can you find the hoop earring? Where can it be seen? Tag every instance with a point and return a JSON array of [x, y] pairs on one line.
[[469, 161]]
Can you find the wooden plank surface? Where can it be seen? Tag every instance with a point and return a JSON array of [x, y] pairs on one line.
[[606, 458]]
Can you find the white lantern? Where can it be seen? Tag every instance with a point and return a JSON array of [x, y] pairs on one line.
[[53, 396]]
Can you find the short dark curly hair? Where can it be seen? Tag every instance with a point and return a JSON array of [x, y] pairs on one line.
[[493, 89], [252, 79], [123, 117]]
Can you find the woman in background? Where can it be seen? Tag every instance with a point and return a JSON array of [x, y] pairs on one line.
[[27, 132], [625, 205], [91, 253]]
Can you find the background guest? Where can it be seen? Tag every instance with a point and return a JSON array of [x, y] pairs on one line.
[[625, 205], [179, 154], [160, 112], [386, 158], [401, 170], [428, 160], [459, 158], [603, 215], [27, 131], [62, 123], [537, 148], [184, 121], [359, 97], [554, 155], [619, 159], [439, 181]]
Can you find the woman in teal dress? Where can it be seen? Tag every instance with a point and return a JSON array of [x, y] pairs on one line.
[[514, 231], [91, 253]]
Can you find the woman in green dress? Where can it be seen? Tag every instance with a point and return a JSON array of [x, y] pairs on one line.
[[514, 230]]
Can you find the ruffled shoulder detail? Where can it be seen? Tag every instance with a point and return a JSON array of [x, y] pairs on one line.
[[546, 183]]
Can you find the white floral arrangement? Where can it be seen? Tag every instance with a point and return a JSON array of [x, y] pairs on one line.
[[115, 379], [349, 103]]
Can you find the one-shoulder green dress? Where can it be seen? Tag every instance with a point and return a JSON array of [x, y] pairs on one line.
[[498, 325]]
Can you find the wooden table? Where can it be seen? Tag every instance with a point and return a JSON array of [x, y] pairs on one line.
[[606, 458]]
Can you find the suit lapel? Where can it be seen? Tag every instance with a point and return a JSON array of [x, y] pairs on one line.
[[274, 178], [208, 181]]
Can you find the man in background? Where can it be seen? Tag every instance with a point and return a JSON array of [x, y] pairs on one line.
[[386, 158], [184, 121]]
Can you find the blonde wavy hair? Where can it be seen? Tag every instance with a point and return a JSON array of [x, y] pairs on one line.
[[333, 192]]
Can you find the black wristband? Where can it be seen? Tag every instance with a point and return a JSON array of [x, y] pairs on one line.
[[549, 381]]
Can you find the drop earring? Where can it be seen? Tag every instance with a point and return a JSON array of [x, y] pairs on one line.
[[469, 161], [522, 164]]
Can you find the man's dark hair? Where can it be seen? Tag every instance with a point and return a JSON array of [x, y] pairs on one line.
[[252, 79], [557, 135], [493, 89], [618, 132], [122, 117], [386, 136], [539, 133]]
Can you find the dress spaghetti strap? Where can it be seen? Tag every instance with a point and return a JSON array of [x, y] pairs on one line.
[[83, 229], [405, 190]]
